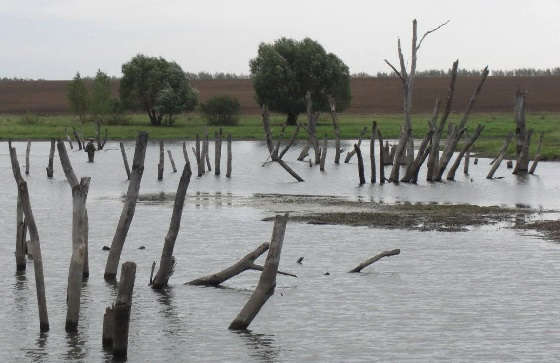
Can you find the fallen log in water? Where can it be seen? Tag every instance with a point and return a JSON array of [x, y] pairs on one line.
[[538, 155], [128, 208], [369, 261], [267, 281], [500, 156], [125, 161]]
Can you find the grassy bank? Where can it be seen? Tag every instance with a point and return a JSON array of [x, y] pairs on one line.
[[250, 128]]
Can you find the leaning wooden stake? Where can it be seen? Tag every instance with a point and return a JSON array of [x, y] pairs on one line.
[[121, 310], [381, 158], [218, 152], [171, 161], [369, 261], [79, 237], [27, 152], [323, 154], [466, 147], [228, 168], [207, 152], [186, 154], [51, 157], [161, 161], [125, 161], [360, 164], [167, 261], [500, 156], [538, 155], [34, 243], [351, 153], [78, 139], [267, 281], [129, 207]]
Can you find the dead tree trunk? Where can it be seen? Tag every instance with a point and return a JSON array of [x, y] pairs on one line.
[[161, 161], [312, 118], [500, 156], [51, 157], [166, 262], [68, 138], [466, 147], [171, 161], [381, 158], [198, 156], [338, 150], [34, 243], [108, 327], [369, 261], [207, 152], [399, 154], [78, 139], [372, 151], [20, 236], [267, 281], [466, 162], [121, 310], [360, 164], [522, 164], [538, 155], [79, 236], [351, 153], [414, 167], [323, 154], [186, 154], [125, 160], [521, 128], [229, 156], [27, 152], [129, 207], [218, 152], [290, 143]]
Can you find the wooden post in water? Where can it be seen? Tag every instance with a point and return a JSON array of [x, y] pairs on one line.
[[129, 207], [267, 281], [332, 104], [171, 161], [197, 154], [466, 161], [186, 154], [108, 327], [538, 155], [229, 156], [78, 140], [121, 310], [79, 236], [500, 156], [372, 151], [217, 152], [381, 158], [369, 261], [207, 152], [466, 147], [125, 160], [34, 243], [51, 157], [167, 261], [414, 167], [27, 152], [20, 236], [323, 154], [522, 164], [68, 138], [351, 153], [161, 161], [360, 164]]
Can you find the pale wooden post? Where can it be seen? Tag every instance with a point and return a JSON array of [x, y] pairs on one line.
[[171, 161], [121, 310], [125, 161], [51, 156], [229, 156], [129, 207]]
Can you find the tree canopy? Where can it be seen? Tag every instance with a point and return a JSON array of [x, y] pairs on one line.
[[285, 70], [101, 102], [78, 96], [157, 86]]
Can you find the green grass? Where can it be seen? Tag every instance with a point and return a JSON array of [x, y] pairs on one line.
[[497, 125]]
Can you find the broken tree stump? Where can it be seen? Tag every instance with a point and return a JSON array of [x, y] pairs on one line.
[[323, 154], [161, 161], [500, 156], [217, 152], [372, 151], [121, 310], [78, 139], [538, 154], [108, 327], [369, 261], [360, 164], [413, 168], [267, 281], [27, 152], [125, 161], [207, 152], [466, 147], [51, 157], [20, 236], [198, 156], [509, 164], [522, 163], [34, 242], [166, 262], [351, 153], [171, 161], [466, 162], [128, 208], [68, 138], [79, 236], [381, 158], [229, 156]]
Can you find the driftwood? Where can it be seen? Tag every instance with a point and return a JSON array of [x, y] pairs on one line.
[[121, 310], [51, 157], [372, 151], [125, 161], [323, 154], [369, 261], [351, 153], [27, 152], [500, 156], [338, 150], [267, 281], [166, 262], [466, 147], [538, 155], [217, 152], [244, 264], [171, 161], [79, 238], [381, 158], [129, 207], [34, 243], [229, 157], [78, 139], [360, 164], [161, 161]]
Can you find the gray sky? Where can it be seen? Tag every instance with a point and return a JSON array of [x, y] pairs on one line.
[[54, 39]]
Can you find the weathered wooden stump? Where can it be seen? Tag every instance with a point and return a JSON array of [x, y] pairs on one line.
[[108, 327], [229, 157], [51, 157], [207, 151], [323, 154], [78, 139], [217, 152], [500, 156], [381, 158], [466, 162], [121, 310], [372, 151], [27, 152], [125, 161], [171, 161], [351, 153], [369, 261], [509, 164], [90, 150], [360, 164], [161, 161], [538, 155], [464, 150]]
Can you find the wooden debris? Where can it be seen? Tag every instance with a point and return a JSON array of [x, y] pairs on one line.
[[171, 161], [538, 156], [51, 157], [369, 261], [500, 156], [125, 161]]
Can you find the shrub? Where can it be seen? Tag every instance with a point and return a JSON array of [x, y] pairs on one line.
[[116, 115], [221, 110], [29, 119]]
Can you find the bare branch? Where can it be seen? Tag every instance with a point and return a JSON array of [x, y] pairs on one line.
[[430, 31], [394, 69]]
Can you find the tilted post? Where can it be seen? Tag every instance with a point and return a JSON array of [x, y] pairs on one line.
[[161, 161], [171, 161], [51, 157], [125, 161]]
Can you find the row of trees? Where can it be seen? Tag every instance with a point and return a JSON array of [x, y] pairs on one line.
[[96, 100], [519, 72]]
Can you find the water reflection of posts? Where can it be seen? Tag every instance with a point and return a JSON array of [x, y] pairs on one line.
[[262, 344], [267, 281]]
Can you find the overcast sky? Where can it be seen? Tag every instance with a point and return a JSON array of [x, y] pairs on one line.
[[53, 39]]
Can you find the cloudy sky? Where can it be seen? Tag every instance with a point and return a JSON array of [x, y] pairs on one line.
[[53, 39]]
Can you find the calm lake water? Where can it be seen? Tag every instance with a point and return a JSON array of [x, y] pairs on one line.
[[489, 294]]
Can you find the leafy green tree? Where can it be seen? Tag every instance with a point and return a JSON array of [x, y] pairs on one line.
[[157, 86], [78, 96], [285, 70], [101, 102]]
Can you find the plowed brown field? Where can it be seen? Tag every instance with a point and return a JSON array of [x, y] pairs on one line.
[[368, 95]]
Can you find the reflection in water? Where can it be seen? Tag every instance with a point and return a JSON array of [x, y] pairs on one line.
[[39, 354], [262, 345], [76, 344], [20, 291], [174, 325]]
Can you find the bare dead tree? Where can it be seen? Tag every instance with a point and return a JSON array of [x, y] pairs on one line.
[[523, 137], [466, 147]]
